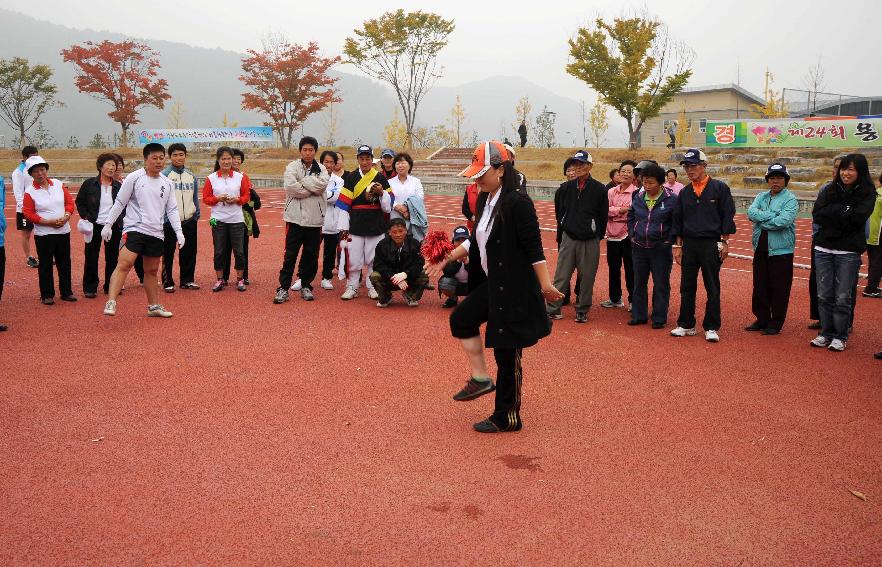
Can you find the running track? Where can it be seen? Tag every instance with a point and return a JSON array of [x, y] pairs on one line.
[[241, 432]]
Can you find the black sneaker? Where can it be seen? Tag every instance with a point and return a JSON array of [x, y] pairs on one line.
[[90, 294], [755, 326], [878, 355], [68, 298], [450, 302], [873, 293], [169, 288], [32, 262], [633, 322], [555, 316], [657, 325], [487, 426], [771, 331], [4, 327], [190, 285], [581, 317], [474, 389], [48, 301]]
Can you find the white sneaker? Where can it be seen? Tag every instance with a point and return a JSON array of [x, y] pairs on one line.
[[820, 341], [327, 284], [350, 293], [297, 286], [711, 336], [682, 332], [372, 293], [837, 345], [158, 311], [110, 307]]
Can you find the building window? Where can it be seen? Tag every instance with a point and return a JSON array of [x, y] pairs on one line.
[[702, 125]]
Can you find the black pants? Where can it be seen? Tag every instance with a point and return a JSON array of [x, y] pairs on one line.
[[228, 253], [814, 314], [296, 236], [772, 280], [2, 269], [385, 287], [91, 253], [465, 322], [656, 262], [329, 255], [54, 247], [618, 253], [874, 270], [228, 235], [700, 254], [186, 257]]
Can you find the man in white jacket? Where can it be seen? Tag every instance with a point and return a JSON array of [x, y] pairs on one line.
[[305, 183]]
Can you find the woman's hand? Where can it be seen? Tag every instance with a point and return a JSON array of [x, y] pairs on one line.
[[551, 293], [435, 270]]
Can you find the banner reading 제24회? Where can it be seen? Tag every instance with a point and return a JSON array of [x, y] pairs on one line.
[[795, 133], [167, 136]]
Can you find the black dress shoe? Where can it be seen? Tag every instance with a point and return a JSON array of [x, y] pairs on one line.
[[755, 326], [48, 301], [658, 325], [878, 355], [68, 298], [636, 322], [771, 331], [90, 294], [3, 328]]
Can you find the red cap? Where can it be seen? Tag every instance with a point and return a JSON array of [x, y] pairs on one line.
[[486, 155]]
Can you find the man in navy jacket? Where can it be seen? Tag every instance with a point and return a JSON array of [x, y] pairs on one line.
[[703, 221]]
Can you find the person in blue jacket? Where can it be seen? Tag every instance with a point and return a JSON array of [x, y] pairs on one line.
[[773, 214], [649, 231]]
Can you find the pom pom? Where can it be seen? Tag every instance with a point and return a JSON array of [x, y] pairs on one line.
[[436, 246]]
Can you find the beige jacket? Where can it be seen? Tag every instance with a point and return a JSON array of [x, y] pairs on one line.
[[305, 193]]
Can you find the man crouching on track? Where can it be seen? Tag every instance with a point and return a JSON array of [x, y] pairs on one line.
[[148, 197]]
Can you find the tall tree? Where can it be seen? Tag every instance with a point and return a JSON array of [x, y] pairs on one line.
[[124, 74], [332, 125], [634, 64], [599, 123], [289, 82], [544, 128], [26, 93], [401, 48], [457, 119], [522, 111], [815, 82], [176, 115]]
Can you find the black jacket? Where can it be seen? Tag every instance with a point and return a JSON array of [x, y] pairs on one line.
[[842, 216], [88, 200], [516, 315], [390, 260], [708, 216], [581, 214]]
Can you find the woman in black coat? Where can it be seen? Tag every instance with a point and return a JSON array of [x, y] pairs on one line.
[[93, 202], [508, 286]]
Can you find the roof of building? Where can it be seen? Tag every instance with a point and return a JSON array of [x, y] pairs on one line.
[[726, 87]]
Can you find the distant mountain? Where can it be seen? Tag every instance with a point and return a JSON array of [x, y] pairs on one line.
[[206, 83]]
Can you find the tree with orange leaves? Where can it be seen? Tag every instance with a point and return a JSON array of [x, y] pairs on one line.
[[123, 74], [289, 82]]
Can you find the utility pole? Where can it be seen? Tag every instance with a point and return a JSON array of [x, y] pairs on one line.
[[584, 126]]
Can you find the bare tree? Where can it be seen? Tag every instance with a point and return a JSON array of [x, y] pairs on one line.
[[814, 82]]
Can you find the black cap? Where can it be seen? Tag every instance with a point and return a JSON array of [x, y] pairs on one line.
[[777, 169], [693, 156], [643, 165], [364, 149], [460, 233]]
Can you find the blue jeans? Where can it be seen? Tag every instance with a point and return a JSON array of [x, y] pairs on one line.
[[837, 276], [656, 262]]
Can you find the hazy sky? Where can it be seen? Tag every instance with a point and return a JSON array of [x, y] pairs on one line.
[[530, 39]]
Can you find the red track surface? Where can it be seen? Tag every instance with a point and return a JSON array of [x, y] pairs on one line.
[[323, 433]]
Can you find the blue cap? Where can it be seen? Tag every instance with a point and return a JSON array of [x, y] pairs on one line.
[[583, 157], [364, 150], [388, 152], [460, 233]]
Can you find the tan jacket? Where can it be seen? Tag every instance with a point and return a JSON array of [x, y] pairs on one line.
[[305, 193]]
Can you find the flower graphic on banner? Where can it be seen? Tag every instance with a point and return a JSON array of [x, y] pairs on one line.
[[760, 133], [767, 135]]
